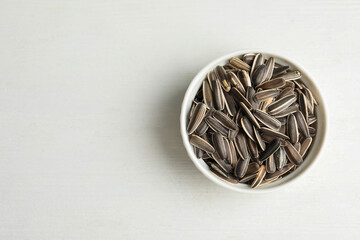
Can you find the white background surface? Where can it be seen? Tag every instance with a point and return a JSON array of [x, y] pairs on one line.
[[90, 95]]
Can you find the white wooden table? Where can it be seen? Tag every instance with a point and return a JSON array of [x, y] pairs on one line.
[[90, 95]]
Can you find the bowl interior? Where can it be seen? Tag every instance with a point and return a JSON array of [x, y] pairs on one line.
[[313, 152]]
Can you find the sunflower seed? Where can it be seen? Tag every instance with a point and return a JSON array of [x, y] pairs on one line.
[[264, 182], [273, 133], [304, 106], [217, 95], [280, 70], [216, 126], [303, 127], [239, 64], [250, 92], [270, 164], [234, 80], [196, 118], [219, 145], [287, 111], [244, 78], [241, 167], [211, 77], [201, 143], [297, 84], [292, 154], [281, 104], [305, 144], [286, 91], [265, 104], [292, 129], [272, 84], [258, 60], [239, 98], [297, 146], [259, 139], [207, 94], [259, 75], [270, 63], [279, 173], [225, 120], [294, 75], [222, 76], [267, 120], [266, 94], [280, 158], [223, 165], [241, 146], [232, 134], [233, 156], [253, 148], [247, 178], [310, 96], [248, 58], [312, 131], [272, 147], [216, 170], [250, 115], [260, 176], [202, 128], [248, 128], [312, 119]]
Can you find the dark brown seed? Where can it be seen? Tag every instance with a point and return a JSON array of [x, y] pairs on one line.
[[297, 146], [234, 80], [312, 131], [281, 172], [241, 167], [260, 176], [267, 120], [239, 98], [241, 146], [207, 94], [273, 133], [219, 145], [250, 115], [259, 75], [287, 111], [270, 164], [265, 104], [272, 147], [304, 106], [292, 154], [230, 104], [247, 178], [198, 152], [244, 78], [312, 119], [211, 77], [239, 64], [281, 104], [286, 91], [222, 76], [227, 148], [280, 70], [303, 127], [216, 170], [196, 118], [248, 58], [289, 84], [250, 92], [270, 63], [233, 156], [202, 128], [272, 84], [283, 120], [253, 168], [292, 129], [217, 95], [201, 143], [259, 139], [232, 134], [266, 94], [216, 126], [280, 158], [224, 166], [253, 148], [248, 128], [294, 75], [258, 60], [305, 146], [225, 120]]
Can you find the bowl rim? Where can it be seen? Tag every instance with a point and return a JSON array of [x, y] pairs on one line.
[[188, 147]]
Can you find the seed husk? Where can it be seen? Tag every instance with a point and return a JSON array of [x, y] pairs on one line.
[[272, 84], [266, 94], [241, 167], [239, 97], [297, 146], [305, 144], [272, 147], [248, 128], [230, 104], [267, 181], [304, 106], [208, 99], [217, 95], [260, 176], [244, 78], [225, 120], [292, 154], [279, 173], [292, 75], [259, 139], [267, 120], [248, 58], [238, 63], [249, 115], [253, 148], [250, 93], [202, 128], [201, 143], [232, 134], [196, 118], [302, 124], [273, 133], [286, 91], [312, 119], [219, 145], [258, 60], [287, 111], [270, 164], [234, 80], [241, 146], [270, 63], [222, 76], [253, 168], [216, 170], [226, 167], [281, 104], [247, 178], [211, 77], [233, 156], [216, 126], [265, 104], [280, 158], [292, 129], [312, 131], [259, 75], [280, 70]]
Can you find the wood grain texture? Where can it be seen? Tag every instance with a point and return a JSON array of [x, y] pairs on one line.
[[90, 95]]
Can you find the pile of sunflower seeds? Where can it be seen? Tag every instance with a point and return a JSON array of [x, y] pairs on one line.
[[252, 121]]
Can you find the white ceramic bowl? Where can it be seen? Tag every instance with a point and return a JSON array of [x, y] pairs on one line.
[[313, 153]]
